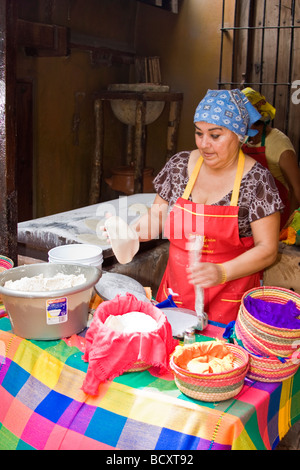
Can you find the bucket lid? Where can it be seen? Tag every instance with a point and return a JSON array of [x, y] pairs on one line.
[[76, 252]]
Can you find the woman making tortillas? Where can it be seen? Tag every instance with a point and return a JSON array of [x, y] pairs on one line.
[[274, 150], [227, 198]]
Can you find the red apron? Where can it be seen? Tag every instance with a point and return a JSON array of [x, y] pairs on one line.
[[259, 154], [219, 226]]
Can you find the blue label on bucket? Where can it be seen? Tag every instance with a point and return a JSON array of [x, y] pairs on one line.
[[57, 311]]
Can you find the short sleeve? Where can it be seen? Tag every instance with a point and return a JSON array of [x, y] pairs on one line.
[[162, 183], [261, 198], [277, 143], [172, 179]]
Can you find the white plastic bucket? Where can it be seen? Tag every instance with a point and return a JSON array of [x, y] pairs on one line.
[[88, 255]]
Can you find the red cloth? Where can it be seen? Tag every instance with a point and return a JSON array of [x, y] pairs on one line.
[[111, 353], [219, 226]]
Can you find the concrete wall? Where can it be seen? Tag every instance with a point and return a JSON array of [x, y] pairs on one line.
[[188, 45]]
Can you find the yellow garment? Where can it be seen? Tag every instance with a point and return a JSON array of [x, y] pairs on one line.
[[264, 108], [148, 292], [288, 236], [276, 143]]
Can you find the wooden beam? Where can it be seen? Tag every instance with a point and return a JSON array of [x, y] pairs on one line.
[[102, 51], [50, 40], [43, 40], [8, 194]]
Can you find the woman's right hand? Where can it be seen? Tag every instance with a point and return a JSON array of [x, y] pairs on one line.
[[205, 274]]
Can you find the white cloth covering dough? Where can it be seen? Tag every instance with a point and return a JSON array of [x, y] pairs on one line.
[[131, 322], [124, 239]]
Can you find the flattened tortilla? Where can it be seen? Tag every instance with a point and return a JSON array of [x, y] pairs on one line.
[[137, 209], [93, 239]]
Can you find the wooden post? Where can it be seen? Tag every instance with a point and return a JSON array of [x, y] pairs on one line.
[[129, 153], [173, 127], [139, 148], [138, 151], [8, 193], [97, 167]]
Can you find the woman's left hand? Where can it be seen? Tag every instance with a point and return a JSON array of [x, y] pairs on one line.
[[205, 274]]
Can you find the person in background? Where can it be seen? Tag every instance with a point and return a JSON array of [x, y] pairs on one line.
[[222, 195], [274, 150]]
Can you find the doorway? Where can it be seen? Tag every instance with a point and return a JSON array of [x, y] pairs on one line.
[[24, 150]]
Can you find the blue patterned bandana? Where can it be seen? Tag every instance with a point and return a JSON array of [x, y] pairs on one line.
[[230, 109]]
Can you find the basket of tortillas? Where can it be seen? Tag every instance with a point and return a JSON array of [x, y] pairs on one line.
[[210, 370], [126, 335]]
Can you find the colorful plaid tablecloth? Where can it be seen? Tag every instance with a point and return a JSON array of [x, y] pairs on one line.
[[42, 405]]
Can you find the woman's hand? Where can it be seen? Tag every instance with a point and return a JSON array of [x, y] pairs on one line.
[[205, 274]]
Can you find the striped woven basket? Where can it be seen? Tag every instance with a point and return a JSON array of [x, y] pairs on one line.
[[272, 350], [213, 387], [139, 367], [271, 369], [5, 263]]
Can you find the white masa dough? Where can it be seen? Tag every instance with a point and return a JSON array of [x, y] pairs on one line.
[[94, 224], [131, 322], [124, 240], [98, 237], [93, 239]]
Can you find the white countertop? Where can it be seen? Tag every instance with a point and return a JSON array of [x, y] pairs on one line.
[[63, 228]]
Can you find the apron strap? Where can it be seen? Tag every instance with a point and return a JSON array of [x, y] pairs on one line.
[[263, 137], [238, 179], [192, 180], [237, 182]]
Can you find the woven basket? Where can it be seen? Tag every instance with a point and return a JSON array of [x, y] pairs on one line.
[[213, 387], [264, 369], [5, 263], [266, 344], [139, 367]]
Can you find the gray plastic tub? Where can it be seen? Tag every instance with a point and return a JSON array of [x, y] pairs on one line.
[[53, 314]]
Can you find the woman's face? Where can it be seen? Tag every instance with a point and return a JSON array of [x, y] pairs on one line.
[[218, 146]]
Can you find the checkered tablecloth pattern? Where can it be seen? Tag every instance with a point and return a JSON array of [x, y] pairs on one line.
[[42, 405]]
